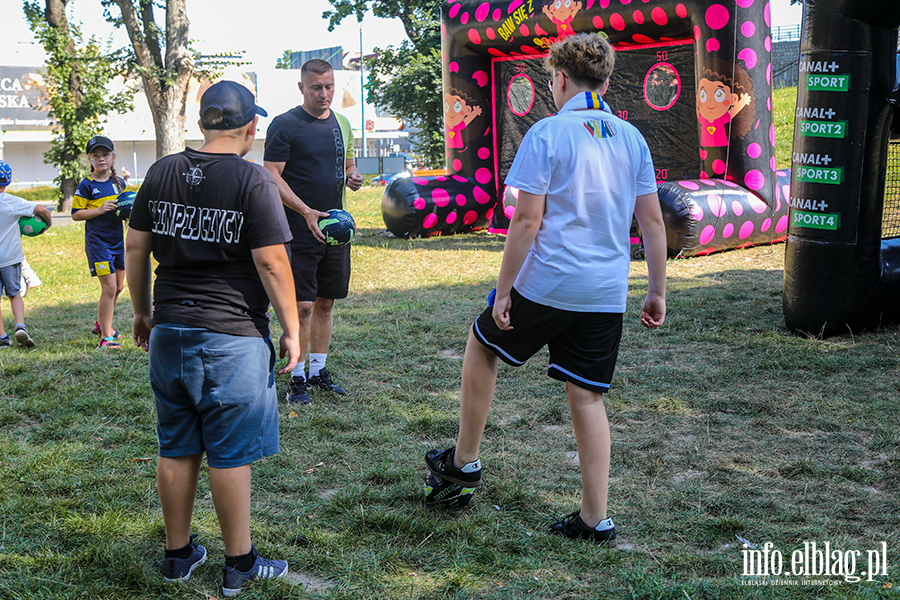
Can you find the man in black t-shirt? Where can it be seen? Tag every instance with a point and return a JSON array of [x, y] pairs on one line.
[[213, 222], [309, 152]]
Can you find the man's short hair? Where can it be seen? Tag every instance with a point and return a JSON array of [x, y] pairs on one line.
[[317, 66], [587, 58]]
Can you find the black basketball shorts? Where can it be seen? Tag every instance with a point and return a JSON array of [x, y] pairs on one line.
[[583, 345], [319, 270]]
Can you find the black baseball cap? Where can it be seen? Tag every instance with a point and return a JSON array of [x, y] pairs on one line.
[[98, 141], [228, 105]]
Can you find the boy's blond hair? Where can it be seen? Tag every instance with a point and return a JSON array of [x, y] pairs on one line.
[[587, 58]]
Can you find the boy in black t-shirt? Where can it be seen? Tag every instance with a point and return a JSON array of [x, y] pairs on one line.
[[214, 223]]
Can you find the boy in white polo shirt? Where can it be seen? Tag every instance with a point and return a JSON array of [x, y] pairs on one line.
[[563, 281], [12, 208]]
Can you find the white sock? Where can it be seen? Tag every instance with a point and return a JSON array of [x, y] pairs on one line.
[[298, 371], [604, 525], [316, 363]]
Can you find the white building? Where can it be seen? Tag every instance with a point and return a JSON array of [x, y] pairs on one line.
[[26, 130]]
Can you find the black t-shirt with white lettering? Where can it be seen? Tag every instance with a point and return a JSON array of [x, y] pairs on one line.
[[313, 152], [206, 213]]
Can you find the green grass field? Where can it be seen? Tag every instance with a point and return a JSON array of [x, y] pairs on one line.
[[723, 425]]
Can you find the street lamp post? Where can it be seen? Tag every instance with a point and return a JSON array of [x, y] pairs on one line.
[[362, 91]]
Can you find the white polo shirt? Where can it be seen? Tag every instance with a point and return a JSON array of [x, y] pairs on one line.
[[591, 165], [11, 209]]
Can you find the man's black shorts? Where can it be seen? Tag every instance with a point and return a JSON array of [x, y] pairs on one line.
[[583, 345], [319, 270]]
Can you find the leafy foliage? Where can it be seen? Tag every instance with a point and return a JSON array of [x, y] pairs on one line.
[[408, 84], [78, 76], [420, 18], [163, 59], [284, 62], [406, 79]]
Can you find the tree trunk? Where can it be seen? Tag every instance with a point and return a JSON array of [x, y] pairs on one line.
[[67, 189], [165, 78], [169, 118], [55, 14]]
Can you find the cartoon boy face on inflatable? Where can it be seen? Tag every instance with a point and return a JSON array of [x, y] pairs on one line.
[[716, 106], [561, 12], [458, 113]]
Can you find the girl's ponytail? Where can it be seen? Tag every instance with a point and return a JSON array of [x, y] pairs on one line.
[[115, 178]]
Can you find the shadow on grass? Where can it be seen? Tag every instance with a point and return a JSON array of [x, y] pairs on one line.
[[723, 424], [478, 240]]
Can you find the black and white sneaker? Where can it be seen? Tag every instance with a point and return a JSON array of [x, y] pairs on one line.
[[297, 392], [447, 484], [574, 527], [323, 382]]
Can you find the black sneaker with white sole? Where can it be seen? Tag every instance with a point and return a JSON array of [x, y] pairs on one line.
[[297, 392], [447, 484], [324, 382], [574, 527]]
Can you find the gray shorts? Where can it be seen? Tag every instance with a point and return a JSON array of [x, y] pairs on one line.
[[214, 393], [11, 279]]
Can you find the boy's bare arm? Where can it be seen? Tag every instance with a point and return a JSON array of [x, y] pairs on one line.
[[138, 245], [653, 232], [523, 228], [274, 270], [43, 212]]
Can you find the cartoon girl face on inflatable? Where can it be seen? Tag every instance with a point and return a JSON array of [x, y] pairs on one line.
[[561, 12], [458, 113], [717, 105]]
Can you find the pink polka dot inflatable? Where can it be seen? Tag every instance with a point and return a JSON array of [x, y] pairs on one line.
[[674, 54]]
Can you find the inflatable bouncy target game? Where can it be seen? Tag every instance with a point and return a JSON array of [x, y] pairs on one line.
[[693, 76]]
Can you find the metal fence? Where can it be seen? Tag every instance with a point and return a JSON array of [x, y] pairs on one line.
[[785, 55], [890, 219]]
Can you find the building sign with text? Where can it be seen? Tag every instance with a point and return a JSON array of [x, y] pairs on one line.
[[23, 100]]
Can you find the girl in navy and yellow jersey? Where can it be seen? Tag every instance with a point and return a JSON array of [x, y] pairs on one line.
[[95, 203]]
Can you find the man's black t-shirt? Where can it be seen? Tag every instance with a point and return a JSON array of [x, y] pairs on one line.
[[313, 152], [206, 213]]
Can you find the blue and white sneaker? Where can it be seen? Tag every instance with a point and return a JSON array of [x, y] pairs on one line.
[[233, 580], [180, 569]]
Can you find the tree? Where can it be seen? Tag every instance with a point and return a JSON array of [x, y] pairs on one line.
[[285, 61], [164, 61], [421, 18], [406, 79], [408, 84], [78, 75]]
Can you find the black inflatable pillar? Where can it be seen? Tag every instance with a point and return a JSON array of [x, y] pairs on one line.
[[838, 273]]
